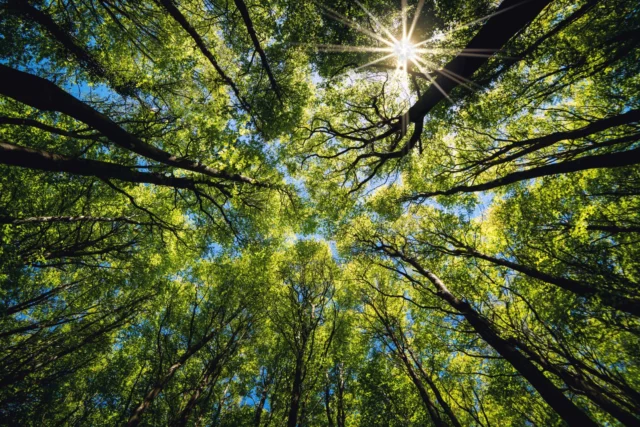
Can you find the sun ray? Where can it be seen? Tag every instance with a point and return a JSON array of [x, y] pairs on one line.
[[378, 23], [468, 24], [456, 51], [338, 17], [433, 81], [457, 78], [403, 50], [452, 76], [342, 48], [404, 19], [416, 15], [462, 53], [368, 64]]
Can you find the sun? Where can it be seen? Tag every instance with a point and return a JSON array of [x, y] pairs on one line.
[[404, 51], [394, 47], [411, 58]]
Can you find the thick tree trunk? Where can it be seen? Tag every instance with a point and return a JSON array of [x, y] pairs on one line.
[[511, 17], [296, 393], [44, 95], [581, 386], [15, 155], [618, 302], [609, 160], [510, 61], [567, 410]]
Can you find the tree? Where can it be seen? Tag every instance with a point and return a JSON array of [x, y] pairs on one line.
[[371, 213]]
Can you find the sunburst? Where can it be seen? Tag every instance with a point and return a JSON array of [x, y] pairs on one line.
[[419, 55]]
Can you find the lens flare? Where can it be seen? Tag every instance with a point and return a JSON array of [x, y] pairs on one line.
[[404, 51], [412, 58]]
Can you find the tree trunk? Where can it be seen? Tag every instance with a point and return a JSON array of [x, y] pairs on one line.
[[400, 353], [263, 399], [296, 393], [327, 403], [244, 12], [618, 302], [136, 416], [15, 155], [609, 160], [175, 13], [567, 410], [582, 387], [511, 17], [436, 392], [342, 416], [210, 377], [433, 412], [44, 95]]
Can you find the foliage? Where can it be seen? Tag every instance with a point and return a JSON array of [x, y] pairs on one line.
[[231, 214]]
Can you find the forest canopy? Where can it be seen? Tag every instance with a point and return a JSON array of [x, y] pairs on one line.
[[320, 213]]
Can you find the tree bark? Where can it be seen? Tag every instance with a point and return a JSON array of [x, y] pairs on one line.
[[609, 160], [15, 155], [257, 419], [296, 393], [244, 12], [581, 387], [511, 17], [44, 95], [618, 302], [327, 403], [567, 410]]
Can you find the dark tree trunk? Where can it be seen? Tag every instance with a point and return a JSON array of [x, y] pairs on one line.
[[618, 302], [44, 95], [609, 160], [209, 378], [567, 410], [175, 13], [327, 403], [581, 386], [157, 388], [263, 400], [511, 17], [15, 155], [342, 415], [244, 12], [296, 393]]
